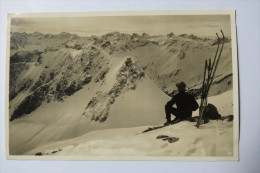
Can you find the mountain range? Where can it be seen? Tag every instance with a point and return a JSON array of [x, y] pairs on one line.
[[65, 86]]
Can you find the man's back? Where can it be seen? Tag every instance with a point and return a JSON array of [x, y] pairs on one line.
[[185, 101]]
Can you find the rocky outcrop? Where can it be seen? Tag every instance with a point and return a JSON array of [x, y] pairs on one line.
[[31, 102], [79, 71], [171, 34], [126, 79], [75, 46], [102, 74], [15, 70], [181, 54], [26, 56]]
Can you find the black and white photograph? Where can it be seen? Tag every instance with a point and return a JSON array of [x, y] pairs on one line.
[[146, 85]]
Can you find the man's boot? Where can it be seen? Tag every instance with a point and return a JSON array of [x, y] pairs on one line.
[[168, 122]]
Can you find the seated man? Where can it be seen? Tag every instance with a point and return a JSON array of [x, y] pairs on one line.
[[185, 103]]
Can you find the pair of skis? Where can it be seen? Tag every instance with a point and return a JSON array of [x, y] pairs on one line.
[[208, 77]]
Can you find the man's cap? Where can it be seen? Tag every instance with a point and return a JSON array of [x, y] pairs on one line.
[[181, 86]]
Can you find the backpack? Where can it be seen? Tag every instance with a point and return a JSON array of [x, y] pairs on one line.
[[211, 112]]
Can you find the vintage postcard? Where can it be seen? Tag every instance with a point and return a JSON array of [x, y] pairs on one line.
[[130, 85]]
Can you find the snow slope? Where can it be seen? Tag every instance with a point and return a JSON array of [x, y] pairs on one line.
[[211, 139], [57, 121], [64, 86]]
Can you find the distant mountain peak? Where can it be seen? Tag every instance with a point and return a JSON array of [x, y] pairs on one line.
[[171, 34]]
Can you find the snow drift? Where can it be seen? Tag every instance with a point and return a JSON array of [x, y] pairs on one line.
[[211, 139]]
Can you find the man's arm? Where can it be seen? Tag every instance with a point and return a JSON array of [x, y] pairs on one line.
[[171, 102], [194, 104]]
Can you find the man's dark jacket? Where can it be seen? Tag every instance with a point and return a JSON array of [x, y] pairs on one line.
[[184, 102]]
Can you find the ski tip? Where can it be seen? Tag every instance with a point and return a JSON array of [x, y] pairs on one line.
[[222, 33], [217, 35]]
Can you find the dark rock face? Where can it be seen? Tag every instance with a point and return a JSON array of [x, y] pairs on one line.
[[39, 82], [15, 70], [72, 89], [99, 106], [25, 56], [102, 112], [76, 46], [24, 86], [87, 79], [55, 82], [63, 88], [31, 102], [181, 55], [48, 86], [78, 71], [102, 75]]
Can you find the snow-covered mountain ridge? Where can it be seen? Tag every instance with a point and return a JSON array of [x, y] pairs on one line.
[[64, 86]]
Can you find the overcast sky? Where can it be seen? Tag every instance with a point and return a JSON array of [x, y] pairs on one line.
[[201, 25]]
